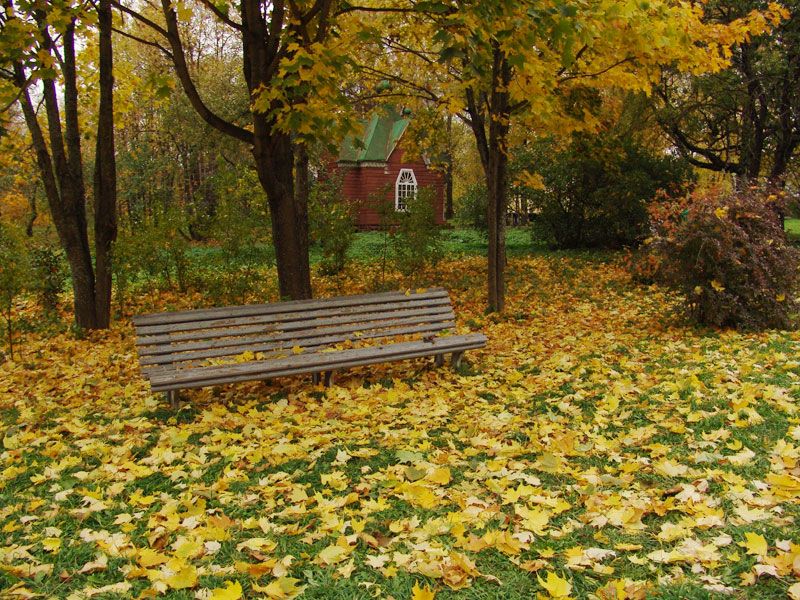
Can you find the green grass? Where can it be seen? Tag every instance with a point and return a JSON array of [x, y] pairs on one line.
[[792, 229]]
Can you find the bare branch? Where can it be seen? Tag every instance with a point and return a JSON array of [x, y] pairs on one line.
[[144, 41], [221, 15]]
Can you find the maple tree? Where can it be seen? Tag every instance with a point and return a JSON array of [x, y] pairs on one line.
[[535, 62], [38, 47], [291, 65], [743, 120]]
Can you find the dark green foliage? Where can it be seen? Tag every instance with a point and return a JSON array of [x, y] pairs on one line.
[[416, 241], [729, 257], [596, 189], [50, 273], [332, 221], [153, 252], [471, 208], [14, 276], [238, 270]]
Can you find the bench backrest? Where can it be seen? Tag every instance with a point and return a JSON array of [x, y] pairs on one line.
[[168, 340]]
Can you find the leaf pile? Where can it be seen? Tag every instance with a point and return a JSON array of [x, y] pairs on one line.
[[596, 448]]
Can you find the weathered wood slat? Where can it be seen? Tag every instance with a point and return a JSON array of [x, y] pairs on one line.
[[174, 347], [282, 307], [291, 326], [289, 316], [295, 365], [307, 344], [441, 321]]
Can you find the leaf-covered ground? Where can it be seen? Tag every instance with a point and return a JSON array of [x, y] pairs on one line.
[[597, 447]]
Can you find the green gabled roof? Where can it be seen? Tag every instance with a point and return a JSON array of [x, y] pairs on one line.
[[379, 139]]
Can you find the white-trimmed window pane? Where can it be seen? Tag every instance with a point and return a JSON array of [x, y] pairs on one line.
[[405, 187]]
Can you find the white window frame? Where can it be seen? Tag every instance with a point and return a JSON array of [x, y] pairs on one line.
[[405, 186]]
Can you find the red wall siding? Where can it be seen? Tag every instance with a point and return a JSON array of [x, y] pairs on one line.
[[359, 183]]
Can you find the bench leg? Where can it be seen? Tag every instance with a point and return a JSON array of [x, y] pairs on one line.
[[455, 359], [315, 378], [438, 359], [172, 396], [329, 378]]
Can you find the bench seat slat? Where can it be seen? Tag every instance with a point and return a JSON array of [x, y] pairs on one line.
[[364, 318], [307, 344], [317, 362], [289, 316], [443, 321], [283, 307]]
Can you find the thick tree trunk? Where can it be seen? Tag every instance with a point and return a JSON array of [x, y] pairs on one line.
[[105, 174], [302, 190], [274, 160], [497, 178], [63, 184], [448, 172]]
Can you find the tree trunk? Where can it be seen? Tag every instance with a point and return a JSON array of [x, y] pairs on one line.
[[105, 174], [497, 178], [302, 190], [274, 161], [448, 172], [63, 186]]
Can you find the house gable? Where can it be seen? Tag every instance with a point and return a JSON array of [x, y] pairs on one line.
[[373, 164]]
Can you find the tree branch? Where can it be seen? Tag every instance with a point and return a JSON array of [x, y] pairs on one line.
[[143, 41], [221, 15], [182, 71]]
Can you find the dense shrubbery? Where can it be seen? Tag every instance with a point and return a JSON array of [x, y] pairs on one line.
[[595, 191], [332, 221], [157, 253], [416, 241], [50, 272], [15, 276], [728, 255], [472, 208]]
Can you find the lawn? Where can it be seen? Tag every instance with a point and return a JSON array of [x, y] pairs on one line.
[[598, 447], [792, 228]]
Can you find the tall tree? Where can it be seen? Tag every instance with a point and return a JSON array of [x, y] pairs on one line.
[[744, 120], [38, 47], [292, 60], [533, 62]]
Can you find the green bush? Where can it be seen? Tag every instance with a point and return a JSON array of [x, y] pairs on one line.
[[15, 276], [238, 270], [472, 208], [595, 191], [154, 253], [50, 273], [728, 255], [416, 239], [332, 223]]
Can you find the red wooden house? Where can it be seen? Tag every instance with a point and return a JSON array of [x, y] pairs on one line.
[[377, 160]]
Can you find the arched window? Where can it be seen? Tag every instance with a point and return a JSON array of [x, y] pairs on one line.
[[404, 187]]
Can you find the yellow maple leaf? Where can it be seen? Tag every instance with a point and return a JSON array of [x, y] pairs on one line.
[[717, 285], [794, 591], [185, 578], [418, 593], [440, 475], [150, 558], [297, 350], [556, 586], [331, 555], [755, 544], [231, 591], [282, 588], [51, 544]]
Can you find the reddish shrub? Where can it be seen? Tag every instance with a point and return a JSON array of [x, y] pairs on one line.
[[726, 252]]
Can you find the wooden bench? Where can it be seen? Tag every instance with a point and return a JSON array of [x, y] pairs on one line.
[[182, 350]]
